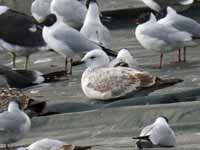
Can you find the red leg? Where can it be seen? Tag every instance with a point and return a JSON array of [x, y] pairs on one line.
[[161, 60], [184, 54], [179, 55]]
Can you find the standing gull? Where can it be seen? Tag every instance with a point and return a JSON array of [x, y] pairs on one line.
[[67, 41], [181, 23], [93, 29], [159, 5], [14, 124], [71, 12], [51, 144], [154, 36], [99, 81], [40, 9], [157, 134], [20, 34], [124, 58]]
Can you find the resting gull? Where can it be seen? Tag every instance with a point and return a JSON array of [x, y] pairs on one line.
[[67, 41], [20, 78], [71, 12], [124, 59], [93, 29], [161, 38], [181, 23], [20, 34], [157, 134], [99, 81], [51, 144], [14, 124]]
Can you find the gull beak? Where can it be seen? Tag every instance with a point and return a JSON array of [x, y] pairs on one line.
[[83, 60]]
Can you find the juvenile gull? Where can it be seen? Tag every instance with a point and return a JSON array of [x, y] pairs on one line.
[[157, 134], [40, 9], [161, 38], [14, 124], [93, 29], [124, 58], [99, 81], [159, 5], [71, 12], [20, 34], [51, 144], [181, 23], [67, 41]]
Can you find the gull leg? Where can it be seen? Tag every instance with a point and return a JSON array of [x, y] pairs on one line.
[[161, 60], [69, 71], [26, 63], [68, 66], [14, 59], [179, 55], [184, 54], [7, 148]]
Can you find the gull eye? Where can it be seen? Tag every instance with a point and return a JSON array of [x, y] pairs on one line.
[[93, 57]]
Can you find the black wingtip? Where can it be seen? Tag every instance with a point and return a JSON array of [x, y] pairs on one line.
[[109, 52]]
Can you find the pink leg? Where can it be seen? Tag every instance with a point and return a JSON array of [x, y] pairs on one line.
[[161, 60], [184, 54], [179, 55]]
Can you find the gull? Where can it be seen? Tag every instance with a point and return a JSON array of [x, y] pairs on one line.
[[67, 41], [161, 38], [93, 29], [157, 134], [20, 34], [26, 78], [181, 23], [40, 9], [52, 144], [124, 58], [159, 5], [14, 124], [99, 81], [71, 12]]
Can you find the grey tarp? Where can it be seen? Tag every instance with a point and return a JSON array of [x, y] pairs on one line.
[[84, 121]]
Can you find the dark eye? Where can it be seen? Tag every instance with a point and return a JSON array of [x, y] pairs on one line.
[[93, 57]]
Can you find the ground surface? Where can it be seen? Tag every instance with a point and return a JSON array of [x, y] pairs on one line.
[[88, 122]]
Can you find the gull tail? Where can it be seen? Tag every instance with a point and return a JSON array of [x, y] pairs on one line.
[[163, 83], [82, 147], [186, 2], [109, 51], [141, 137]]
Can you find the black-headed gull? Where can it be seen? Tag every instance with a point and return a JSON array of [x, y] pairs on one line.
[[157, 134], [161, 38]]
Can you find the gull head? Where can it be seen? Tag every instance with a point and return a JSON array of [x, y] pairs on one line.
[[162, 119], [125, 56], [88, 2], [49, 20], [96, 58]]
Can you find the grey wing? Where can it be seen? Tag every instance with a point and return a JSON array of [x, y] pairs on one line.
[[75, 40], [167, 34], [146, 131], [10, 122], [186, 24], [106, 37]]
